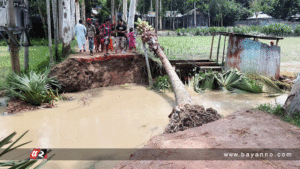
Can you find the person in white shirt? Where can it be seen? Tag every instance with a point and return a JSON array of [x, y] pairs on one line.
[[81, 35]]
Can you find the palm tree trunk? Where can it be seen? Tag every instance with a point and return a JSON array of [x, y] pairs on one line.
[[195, 18], [160, 19], [43, 19], [49, 32], [156, 16], [83, 12], [131, 14], [55, 24], [125, 11], [292, 103], [181, 95], [26, 48], [112, 5]]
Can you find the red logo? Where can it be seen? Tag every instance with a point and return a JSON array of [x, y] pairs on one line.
[[38, 154]]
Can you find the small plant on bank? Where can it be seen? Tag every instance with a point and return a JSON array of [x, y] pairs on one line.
[[279, 111], [32, 87], [162, 83]]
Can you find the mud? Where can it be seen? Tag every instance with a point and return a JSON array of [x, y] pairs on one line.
[[189, 116], [242, 129], [16, 105], [76, 74]]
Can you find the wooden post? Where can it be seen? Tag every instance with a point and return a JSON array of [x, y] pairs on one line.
[[212, 45], [148, 67], [224, 50], [13, 44], [277, 42], [218, 49]]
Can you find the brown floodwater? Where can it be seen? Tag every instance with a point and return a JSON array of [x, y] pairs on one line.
[[113, 117]]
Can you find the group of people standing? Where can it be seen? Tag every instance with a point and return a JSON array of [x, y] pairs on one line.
[[104, 35]]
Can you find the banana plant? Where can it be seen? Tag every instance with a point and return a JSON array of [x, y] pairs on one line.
[[24, 164]]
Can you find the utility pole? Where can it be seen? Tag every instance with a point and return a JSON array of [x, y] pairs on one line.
[[14, 48], [49, 32], [26, 48]]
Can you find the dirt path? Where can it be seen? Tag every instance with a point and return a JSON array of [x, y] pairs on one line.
[[242, 129]]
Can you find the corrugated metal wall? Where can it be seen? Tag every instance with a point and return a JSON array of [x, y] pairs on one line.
[[253, 57]]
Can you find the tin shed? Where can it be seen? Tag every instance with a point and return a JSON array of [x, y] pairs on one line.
[[253, 57]]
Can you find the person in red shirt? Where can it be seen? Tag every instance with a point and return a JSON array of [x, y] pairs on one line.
[[106, 30]]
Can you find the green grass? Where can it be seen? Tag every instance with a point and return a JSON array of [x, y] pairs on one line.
[[279, 111], [39, 58], [198, 47]]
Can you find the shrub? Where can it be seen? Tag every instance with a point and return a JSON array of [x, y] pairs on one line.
[[297, 30], [279, 111], [32, 87], [162, 83], [277, 29]]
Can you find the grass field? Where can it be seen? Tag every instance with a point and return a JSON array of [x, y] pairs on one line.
[[198, 47], [39, 58]]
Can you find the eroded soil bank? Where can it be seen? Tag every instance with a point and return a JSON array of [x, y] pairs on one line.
[[77, 74], [242, 129]]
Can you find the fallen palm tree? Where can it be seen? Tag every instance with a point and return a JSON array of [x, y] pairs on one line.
[[183, 115]]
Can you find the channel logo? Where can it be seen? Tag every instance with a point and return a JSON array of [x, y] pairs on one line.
[[38, 154]]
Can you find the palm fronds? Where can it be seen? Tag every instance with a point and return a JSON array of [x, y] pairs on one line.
[[32, 87], [233, 80], [270, 86], [24, 164]]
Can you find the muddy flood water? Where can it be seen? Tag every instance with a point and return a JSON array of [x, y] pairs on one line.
[[113, 117]]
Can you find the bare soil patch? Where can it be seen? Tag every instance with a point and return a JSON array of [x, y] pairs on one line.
[[242, 129]]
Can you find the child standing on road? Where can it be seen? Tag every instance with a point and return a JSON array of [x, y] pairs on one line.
[[111, 47], [131, 40]]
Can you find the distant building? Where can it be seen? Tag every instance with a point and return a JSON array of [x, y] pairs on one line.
[[189, 21], [261, 20], [294, 18]]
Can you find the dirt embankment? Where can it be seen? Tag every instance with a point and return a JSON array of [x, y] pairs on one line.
[[77, 74], [242, 129]]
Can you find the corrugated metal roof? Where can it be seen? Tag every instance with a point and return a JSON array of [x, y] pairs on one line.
[[247, 36]]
